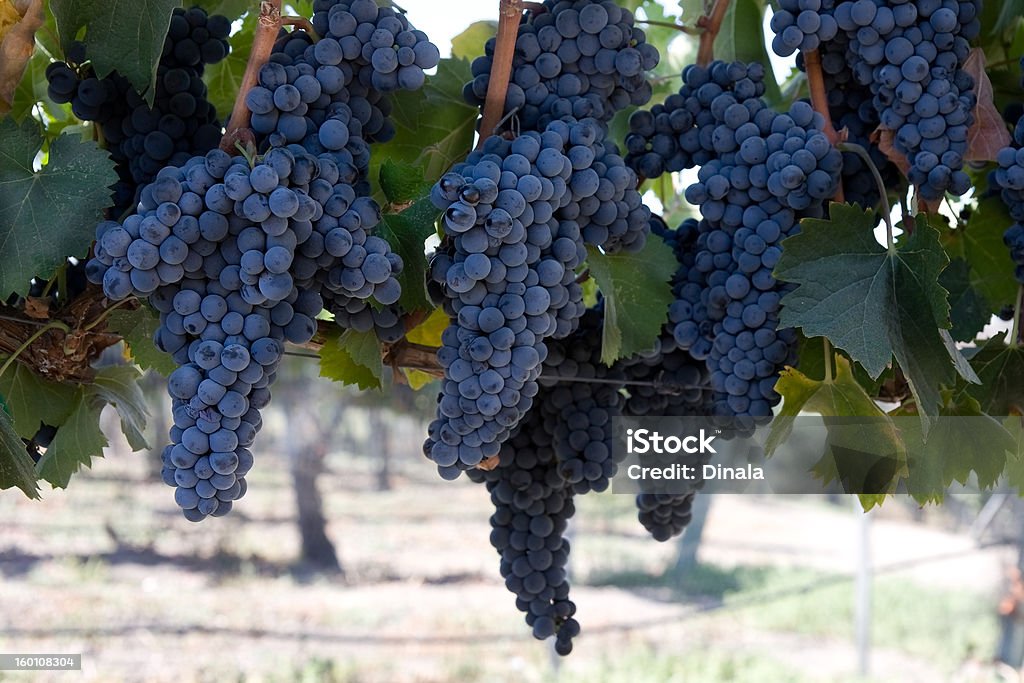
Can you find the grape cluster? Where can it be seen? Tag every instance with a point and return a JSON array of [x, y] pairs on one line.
[[509, 283], [579, 58], [761, 172], [386, 52], [665, 515], [582, 395], [212, 247], [910, 55], [1008, 178], [851, 109], [195, 39], [141, 138], [800, 25], [532, 508], [679, 133]]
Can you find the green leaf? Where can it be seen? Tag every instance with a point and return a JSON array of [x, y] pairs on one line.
[[841, 396], [741, 37], [470, 43], [126, 36], [969, 311], [433, 142], [353, 358], [980, 243], [406, 232], [77, 442], [402, 182], [1010, 13], [637, 293], [224, 79], [872, 302], [692, 10], [1014, 425], [865, 455], [118, 385], [966, 440], [16, 467], [137, 328], [32, 400], [232, 9], [48, 215], [428, 332], [1001, 371]]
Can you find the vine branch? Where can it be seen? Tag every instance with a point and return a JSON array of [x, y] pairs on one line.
[[267, 26], [711, 24], [819, 100], [682, 28], [509, 13]]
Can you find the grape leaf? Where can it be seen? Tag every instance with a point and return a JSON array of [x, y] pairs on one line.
[[47, 215], [963, 440], [637, 293], [969, 311], [32, 399], [872, 302], [1014, 425], [692, 10], [118, 385], [16, 467], [402, 182], [137, 328], [470, 43], [224, 79], [77, 442], [741, 37], [428, 332], [353, 358], [1001, 370], [981, 244], [126, 36], [232, 9], [840, 396], [406, 232], [18, 25], [988, 133], [433, 142]]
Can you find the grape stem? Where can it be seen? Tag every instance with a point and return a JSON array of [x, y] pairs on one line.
[[828, 360], [886, 209], [682, 28], [267, 26], [302, 23], [1017, 335], [509, 12], [711, 24]]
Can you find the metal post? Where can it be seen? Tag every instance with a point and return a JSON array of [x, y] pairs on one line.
[[862, 590]]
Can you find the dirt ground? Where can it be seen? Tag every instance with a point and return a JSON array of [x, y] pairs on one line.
[[110, 569]]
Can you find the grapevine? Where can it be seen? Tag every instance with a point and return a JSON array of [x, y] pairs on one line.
[[484, 228]]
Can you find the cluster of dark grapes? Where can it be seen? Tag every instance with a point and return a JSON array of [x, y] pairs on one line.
[[532, 507], [520, 212], [582, 395], [801, 25], [760, 173], [239, 255], [679, 133], [141, 138], [1008, 178], [852, 110], [331, 97], [910, 56], [579, 58]]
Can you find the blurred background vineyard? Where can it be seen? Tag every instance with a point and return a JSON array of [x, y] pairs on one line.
[[352, 562]]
